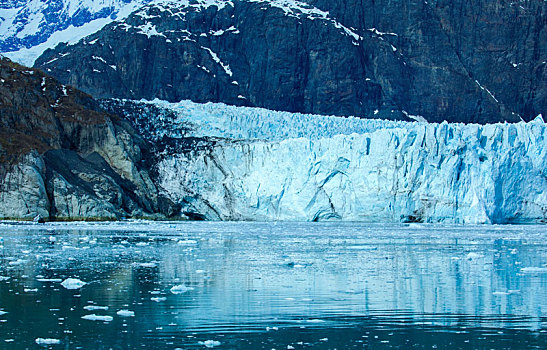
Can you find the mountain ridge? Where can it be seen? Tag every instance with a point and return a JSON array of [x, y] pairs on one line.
[[292, 56]]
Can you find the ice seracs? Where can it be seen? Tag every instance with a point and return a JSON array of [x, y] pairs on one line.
[[255, 164]]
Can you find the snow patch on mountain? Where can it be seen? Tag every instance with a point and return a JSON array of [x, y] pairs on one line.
[[297, 9], [28, 29]]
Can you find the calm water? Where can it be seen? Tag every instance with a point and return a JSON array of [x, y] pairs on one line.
[[274, 286]]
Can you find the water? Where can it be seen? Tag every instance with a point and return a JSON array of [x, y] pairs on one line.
[[274, 286]]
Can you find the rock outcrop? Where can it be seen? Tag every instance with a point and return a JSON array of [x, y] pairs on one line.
[[441, 60], [63, 157]]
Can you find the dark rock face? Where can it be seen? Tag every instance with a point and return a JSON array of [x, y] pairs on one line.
[[62, 156], [457, 61], [502, 45]]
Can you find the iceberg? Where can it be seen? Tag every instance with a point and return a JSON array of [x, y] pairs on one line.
[[255, 164], [73, 283], [94, 317]]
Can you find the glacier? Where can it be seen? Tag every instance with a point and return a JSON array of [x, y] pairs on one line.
[[255, 164]]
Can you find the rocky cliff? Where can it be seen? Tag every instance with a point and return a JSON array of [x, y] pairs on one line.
[[480, 61], [63, 157]]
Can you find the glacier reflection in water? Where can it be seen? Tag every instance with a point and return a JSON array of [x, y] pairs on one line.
[[273, 285]]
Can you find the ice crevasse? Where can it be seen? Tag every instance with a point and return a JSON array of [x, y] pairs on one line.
[[392, 172]]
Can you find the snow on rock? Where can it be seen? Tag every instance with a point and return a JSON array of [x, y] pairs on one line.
[[47, 341], [125, 313], [94, 317], [181, 288], [73, 283], [277, 166]]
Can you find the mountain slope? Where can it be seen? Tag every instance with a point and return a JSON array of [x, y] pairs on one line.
[[292, 56], [28, 28]]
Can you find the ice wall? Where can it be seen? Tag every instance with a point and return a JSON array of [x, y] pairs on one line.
[[388, 172]]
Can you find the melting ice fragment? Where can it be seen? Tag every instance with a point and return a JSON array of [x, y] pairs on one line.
[[533, 269], [47, 341], [49, 279], [73, 283], [94, 317], [148, 265], [125, 313], [181, 288], [95, 307], [210, 343]]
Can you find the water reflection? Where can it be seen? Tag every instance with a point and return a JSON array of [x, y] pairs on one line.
[[254, 285]]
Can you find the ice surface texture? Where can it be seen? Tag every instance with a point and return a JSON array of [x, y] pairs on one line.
[[265, 165]]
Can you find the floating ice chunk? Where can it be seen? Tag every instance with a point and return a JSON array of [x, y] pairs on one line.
[[149, 265], [500, 293], [126, 313], [158, 299], [533, 269], [2, 312], [47, 341], [29, 290], [187, 242], [17, 262], [181, 288], [49, 280], [95, 307], [73, 283], [315, 320], [4, 278], [210, 343], [94, 317]]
